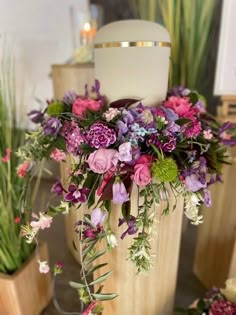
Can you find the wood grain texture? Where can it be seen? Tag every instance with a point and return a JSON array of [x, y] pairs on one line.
[[215, 256], [153, 293], [26, 292]]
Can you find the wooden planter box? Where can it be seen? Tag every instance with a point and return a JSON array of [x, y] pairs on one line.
[[27, 291]]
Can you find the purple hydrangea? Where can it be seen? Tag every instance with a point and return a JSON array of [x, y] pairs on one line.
[[51, 126], [100, 136]]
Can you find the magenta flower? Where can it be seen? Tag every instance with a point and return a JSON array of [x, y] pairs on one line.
[[58, 189], [98, 217], [100, 136], [58, 155], [119, 192], [73, 136], [76, 195], [223, 308], [180, 105], [132, 227]]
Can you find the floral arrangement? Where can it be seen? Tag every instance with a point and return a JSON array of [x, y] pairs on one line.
[[216, 302], [173, 149]]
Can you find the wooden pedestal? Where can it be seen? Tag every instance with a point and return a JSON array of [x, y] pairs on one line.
[[153, 293]]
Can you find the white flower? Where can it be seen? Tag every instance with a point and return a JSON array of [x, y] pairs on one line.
[[111, 113], [147, 116], [112, 240], [192, 203], [43, 266]]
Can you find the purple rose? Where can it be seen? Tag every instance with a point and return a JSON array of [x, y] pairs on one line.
[[100, 136], [119, 192]]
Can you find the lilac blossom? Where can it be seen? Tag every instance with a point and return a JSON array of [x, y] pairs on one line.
[[193, 183], [132, 228], [98, 217], [170, 114], [125, 154], [70, 97], [100, 136], [119, 192], [36, 116], [76, 195], [52, 126], [207, 198]]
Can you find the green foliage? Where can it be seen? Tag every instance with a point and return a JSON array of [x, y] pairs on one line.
[[56, 108], [14, 198], [189, 24], [165, 170]]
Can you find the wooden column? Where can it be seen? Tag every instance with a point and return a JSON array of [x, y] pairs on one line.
[[215, 255]]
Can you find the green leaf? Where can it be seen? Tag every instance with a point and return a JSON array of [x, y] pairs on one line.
[[193, 97], [104, 297], [89, 248], [101, 278], [76, 285], [97, 255], [91, 271], [125, 209], [182, 121], [86, 148]]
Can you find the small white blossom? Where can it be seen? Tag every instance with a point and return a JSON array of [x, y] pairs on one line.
[[112, 240], [111, 113], [192, 203]]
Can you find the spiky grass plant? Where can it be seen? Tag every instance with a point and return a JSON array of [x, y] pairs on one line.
[[189, 24], [13, 199]]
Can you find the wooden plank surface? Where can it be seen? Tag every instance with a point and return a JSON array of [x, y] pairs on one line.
[[216, 244]]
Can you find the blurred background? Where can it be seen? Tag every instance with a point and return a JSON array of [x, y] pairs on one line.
[[41, 33]]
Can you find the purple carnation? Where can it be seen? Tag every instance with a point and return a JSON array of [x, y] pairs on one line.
[[52, 126], [100, 136]]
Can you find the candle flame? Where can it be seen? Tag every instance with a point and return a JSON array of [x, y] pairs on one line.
[[87, 27]]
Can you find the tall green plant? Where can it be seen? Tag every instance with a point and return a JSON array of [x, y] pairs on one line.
[[13, 199], [189, 24]]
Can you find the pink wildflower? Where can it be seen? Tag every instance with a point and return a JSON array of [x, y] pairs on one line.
[[43, 267], [44, 221], [58, 155], [207, 134], [22, 169], [7, 157]]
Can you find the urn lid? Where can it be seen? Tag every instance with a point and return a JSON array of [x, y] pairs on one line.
[[130, 33]]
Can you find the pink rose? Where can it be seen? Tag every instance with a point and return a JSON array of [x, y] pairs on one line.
[[142, 174], [180, 105], [103, 160], [81, 105]]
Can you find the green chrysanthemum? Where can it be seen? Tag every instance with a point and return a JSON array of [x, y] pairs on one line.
[[165, 170], [55, 109]]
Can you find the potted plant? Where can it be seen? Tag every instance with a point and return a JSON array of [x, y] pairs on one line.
[[20, 280]]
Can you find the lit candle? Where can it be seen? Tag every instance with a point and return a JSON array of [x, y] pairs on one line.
[[87, 34]]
